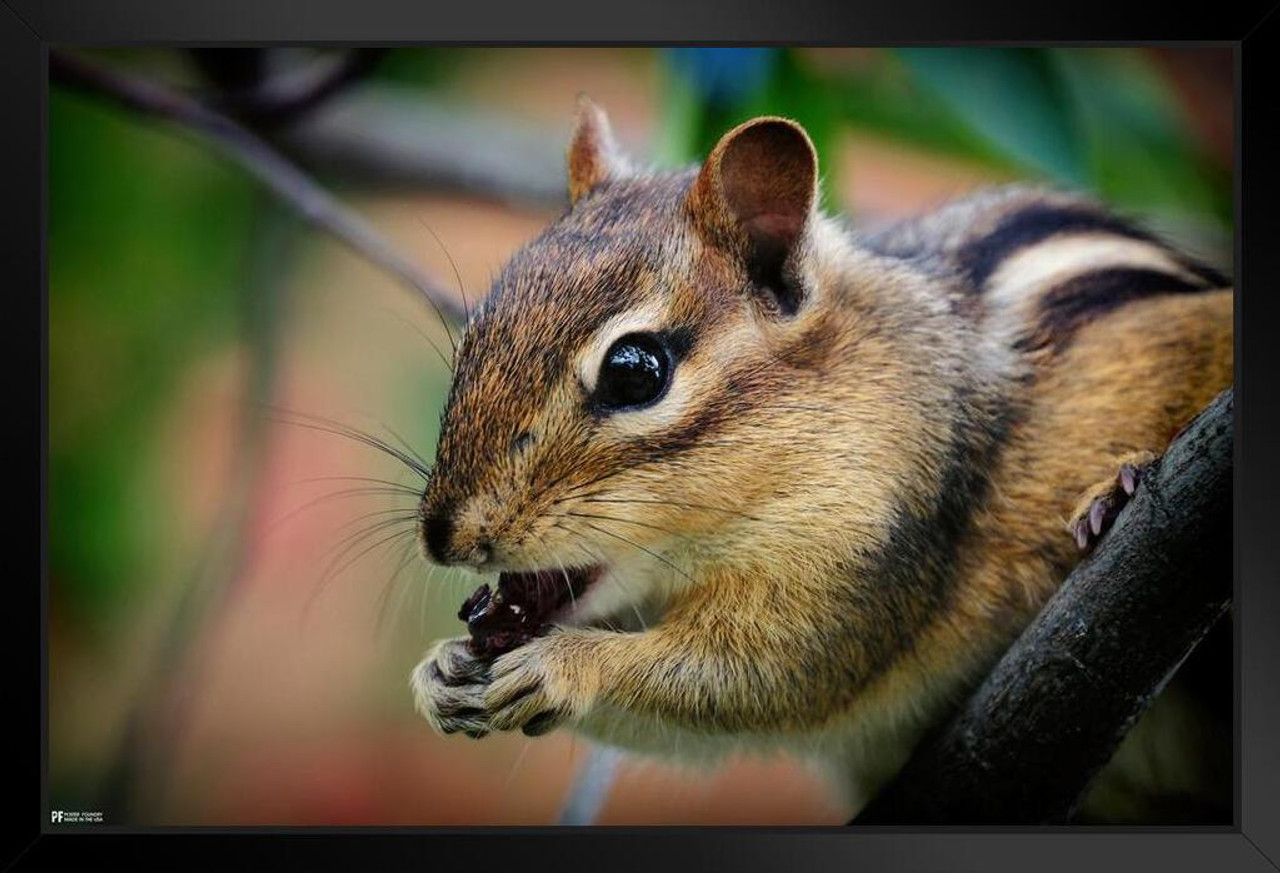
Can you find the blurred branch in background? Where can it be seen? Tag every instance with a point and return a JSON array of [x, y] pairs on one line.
[[388, 136], [258, 158], [247, 90], [590, 788], [385, 134]]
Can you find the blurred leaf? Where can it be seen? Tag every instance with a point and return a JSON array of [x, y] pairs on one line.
[[724, 76], [885, 97], [1141, 152], [422, 66], [1015, 98], [680, 122]]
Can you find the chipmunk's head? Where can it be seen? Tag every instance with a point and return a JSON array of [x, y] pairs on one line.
[[625, 402]]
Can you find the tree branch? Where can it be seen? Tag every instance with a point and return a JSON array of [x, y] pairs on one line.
[[383, 135], [261, 161], [1024, 747], [282, 98]]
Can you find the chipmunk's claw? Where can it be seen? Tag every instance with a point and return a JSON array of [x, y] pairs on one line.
[[1128, 477], [1100, 505], [1088, 528]]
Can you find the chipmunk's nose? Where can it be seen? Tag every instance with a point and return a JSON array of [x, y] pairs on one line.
[[436, 530], [440, 535]]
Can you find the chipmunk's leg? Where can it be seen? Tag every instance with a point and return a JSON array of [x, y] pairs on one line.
[[449, 686], [741, 674], [1097, 508]]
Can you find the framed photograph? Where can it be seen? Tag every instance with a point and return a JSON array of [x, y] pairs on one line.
[[808, 438]]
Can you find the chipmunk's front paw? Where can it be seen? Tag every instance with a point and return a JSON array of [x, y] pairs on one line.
[[540, 685], [1098, 507], [449, 687]]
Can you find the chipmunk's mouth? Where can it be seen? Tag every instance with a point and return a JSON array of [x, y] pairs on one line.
[[523, 606]]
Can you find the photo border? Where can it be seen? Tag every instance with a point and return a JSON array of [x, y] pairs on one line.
[[29, 27]]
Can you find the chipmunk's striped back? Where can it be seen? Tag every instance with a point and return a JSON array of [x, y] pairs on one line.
[[1121, 339], [1041, 263]]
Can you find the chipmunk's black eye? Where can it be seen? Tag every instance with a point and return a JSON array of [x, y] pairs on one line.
[[635, 372]]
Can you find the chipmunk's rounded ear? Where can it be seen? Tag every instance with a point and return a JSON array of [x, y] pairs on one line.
[[594, 156], [757, 192], [761, 178]]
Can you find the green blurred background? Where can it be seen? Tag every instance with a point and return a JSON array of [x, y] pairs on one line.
[[206, 666]]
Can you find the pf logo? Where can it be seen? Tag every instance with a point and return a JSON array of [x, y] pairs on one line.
[[55, 816]]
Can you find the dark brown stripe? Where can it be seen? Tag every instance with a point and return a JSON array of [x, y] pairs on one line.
[[1207, 274], [910, 577], [980, 258], [1077, 301]]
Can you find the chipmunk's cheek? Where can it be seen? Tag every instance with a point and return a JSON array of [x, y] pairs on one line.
[[531, 689]]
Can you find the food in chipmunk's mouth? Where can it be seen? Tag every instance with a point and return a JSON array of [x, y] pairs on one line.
[[521, 608]]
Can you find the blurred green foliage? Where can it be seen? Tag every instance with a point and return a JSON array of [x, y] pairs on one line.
[[1099, 119], [422, 67], [146, 237], [1013, 98]]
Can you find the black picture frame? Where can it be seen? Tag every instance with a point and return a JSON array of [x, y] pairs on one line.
[[29, 27]]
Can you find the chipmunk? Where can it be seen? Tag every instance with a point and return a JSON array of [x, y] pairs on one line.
[[798, 486]]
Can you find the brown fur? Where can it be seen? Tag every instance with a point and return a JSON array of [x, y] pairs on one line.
[[855, 494]]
